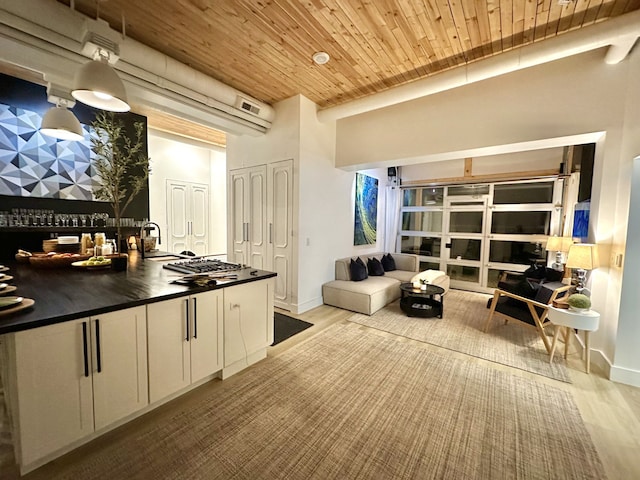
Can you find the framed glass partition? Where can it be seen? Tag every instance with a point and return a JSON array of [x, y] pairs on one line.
[[475, 232]]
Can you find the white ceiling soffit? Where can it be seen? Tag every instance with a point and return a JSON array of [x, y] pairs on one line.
[[47, 37], [619, 33]]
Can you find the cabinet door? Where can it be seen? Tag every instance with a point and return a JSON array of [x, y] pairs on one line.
[[177, 216], [206, 334], [238, 223], [169, 359], [280, 218], [53, 378], [246, 320], [119, 354], [199, 219], [257, 217]]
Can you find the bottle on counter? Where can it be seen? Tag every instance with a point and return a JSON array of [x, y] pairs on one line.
[[106, 249], [85, 243], [100, 239]]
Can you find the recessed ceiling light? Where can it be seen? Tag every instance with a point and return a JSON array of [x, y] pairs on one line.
[[321, 58]]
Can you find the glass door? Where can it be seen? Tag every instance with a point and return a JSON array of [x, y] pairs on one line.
[[464, 233]]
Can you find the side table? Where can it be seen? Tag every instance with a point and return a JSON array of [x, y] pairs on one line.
[[567, 319], [416, 302]]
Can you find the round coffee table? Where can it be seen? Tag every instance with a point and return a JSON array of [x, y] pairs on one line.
[[416, 302]]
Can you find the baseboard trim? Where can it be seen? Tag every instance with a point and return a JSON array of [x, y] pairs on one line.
[[625, 375], [305, 306]]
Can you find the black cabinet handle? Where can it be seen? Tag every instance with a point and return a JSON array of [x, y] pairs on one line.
[[98, 355], [85, 349], [195, 318], [186, 302]]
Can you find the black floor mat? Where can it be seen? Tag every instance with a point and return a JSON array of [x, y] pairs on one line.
[[285, 327]]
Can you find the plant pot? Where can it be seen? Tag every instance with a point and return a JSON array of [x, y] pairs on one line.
[[120, 263]]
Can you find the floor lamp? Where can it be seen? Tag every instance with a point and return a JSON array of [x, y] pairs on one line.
[[582, 257]]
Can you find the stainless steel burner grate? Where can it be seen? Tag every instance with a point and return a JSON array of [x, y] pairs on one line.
[[202, 265]]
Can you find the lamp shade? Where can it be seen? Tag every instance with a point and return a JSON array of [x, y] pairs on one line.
[[559, 244], [97, 84], [583, 256], [61, 123]]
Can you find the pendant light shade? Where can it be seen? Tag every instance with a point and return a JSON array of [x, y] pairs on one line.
[[61, 123], [97, 84]]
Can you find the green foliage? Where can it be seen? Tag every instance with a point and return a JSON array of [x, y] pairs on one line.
[[121, 163], [578, 300]]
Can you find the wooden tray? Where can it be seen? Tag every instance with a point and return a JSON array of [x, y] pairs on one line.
[[26, 303], [46, 261]]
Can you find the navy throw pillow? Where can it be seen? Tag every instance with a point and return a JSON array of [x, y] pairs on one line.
[[388, 263], [358, 270], [375, 267]]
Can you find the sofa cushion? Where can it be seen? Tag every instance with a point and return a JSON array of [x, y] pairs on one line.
[[374, 267], [402, 276], [388, 263], [365, 297], [358, 270]]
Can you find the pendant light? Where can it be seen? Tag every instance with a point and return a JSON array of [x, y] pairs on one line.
[[58, 121], [97, 84]]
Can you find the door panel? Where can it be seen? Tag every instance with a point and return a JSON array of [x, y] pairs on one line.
[[120, 388], [257, 218], [177, 215], [238, 220], [199, 219], [280, 227]]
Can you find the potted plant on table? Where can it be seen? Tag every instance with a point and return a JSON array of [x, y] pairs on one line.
[[579, 302], [121, 165]]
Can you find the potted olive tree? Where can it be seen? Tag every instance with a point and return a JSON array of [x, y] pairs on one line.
[[121, 164]]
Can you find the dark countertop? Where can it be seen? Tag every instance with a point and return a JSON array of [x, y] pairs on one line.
[[69, 293]]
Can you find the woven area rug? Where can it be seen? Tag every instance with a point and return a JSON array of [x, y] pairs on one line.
[[460, 329], [351, 403]]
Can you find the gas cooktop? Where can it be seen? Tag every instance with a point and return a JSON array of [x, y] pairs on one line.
[[202, 265]]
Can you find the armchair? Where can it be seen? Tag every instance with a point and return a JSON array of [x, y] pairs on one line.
[[528, 307]]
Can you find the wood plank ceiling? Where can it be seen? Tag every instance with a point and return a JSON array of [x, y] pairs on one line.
[[264, 47]]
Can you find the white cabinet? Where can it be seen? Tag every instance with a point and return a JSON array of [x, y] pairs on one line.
[[261, 222], [76, 377], [187, 217], [185, 341], [247, 218], [280, 229], [248, 324]]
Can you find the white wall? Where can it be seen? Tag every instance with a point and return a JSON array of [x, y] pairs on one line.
[[173, 158], [574, 96], [323, 195], [533, 160]]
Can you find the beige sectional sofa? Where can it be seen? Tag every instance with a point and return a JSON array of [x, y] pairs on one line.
[[370, 295]]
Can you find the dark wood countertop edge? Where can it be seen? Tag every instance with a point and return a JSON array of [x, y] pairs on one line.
[[28, 325]]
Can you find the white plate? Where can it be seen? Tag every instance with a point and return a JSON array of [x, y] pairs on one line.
[[6, 302], [83, 264], [3, 286]]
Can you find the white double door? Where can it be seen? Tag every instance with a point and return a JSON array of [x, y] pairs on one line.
[[188, 217], [260, 222]]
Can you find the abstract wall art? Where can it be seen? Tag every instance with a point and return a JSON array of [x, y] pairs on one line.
[[366, 210], [34, 165]]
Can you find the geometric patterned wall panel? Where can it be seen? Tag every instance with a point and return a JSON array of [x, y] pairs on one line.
[[34, 165]]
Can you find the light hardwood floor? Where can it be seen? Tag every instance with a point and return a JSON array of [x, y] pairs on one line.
[[611, 411]]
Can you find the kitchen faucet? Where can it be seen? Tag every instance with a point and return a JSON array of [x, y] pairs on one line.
[[143, 230]]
